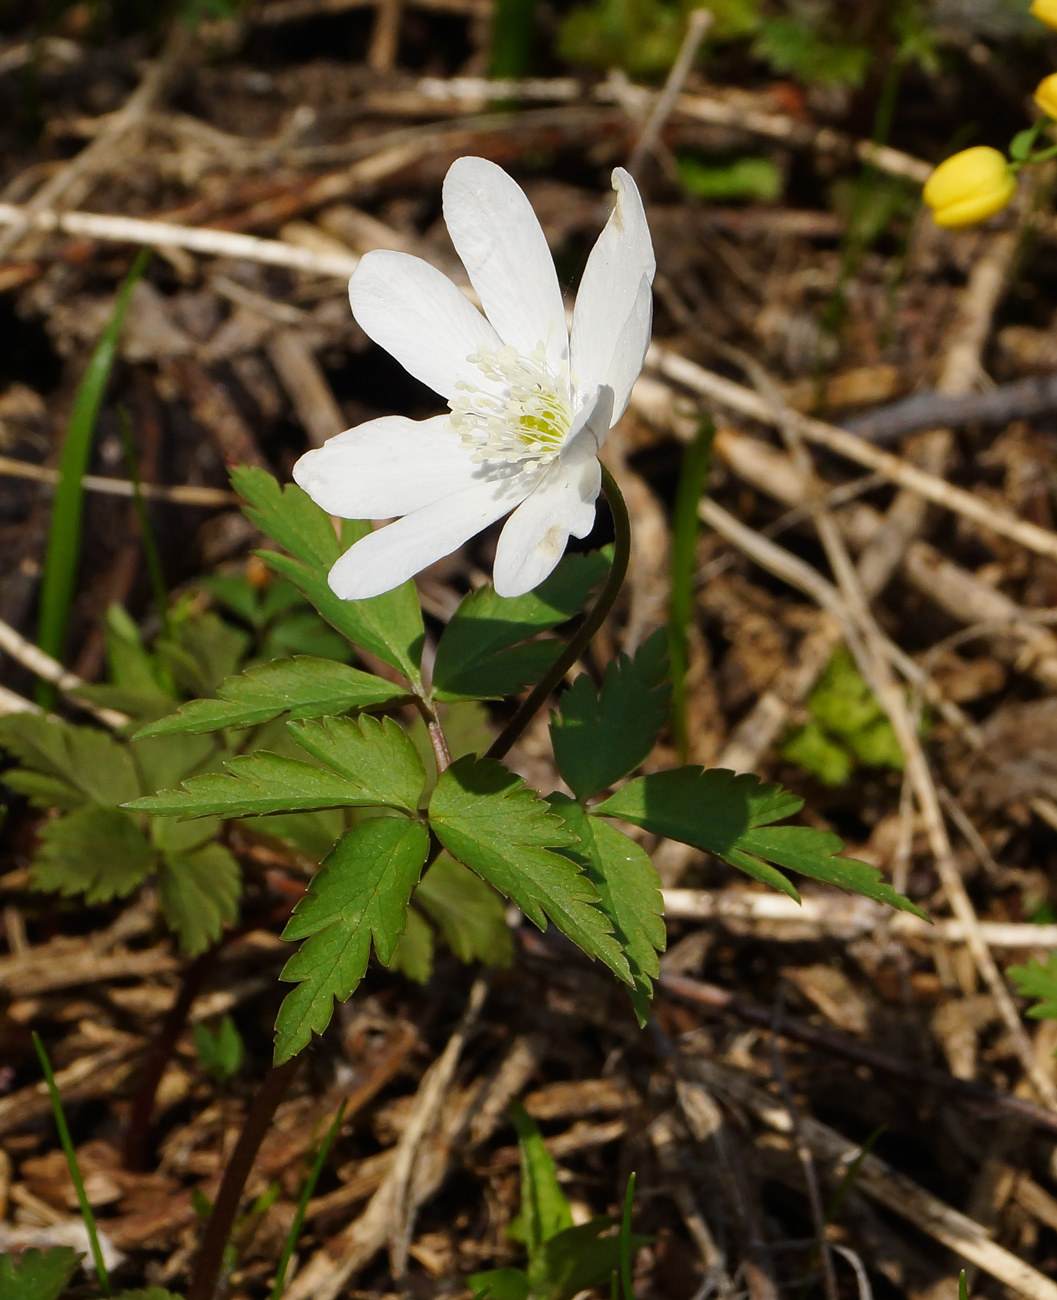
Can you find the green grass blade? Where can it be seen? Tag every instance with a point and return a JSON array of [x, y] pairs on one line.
[[625, 1241], [685, 525], [150, 544], [64, 536], [302, 1205], [513, 37], [74, 1167]]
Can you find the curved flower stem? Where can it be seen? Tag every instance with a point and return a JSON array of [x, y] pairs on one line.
[[210, 1262], [541, 692]]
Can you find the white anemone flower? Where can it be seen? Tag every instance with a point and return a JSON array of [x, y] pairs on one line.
[[529, 406]]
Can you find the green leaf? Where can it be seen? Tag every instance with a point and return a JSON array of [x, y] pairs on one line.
[[255, 784], [98, 852], [792, 44], [731, 817], [601, 736], [479, 657], [199, 892], [643, 36], [83, 764], [389, 626], [740, 178], [374, 762], [377, 755], [221, 1053], [630, 890], [169, 835], [238, 595], [580, 1259], [361, 893], [310, 833], [847, 723], [37, 1274], [303, 632], [201, 650], [302, 686], [484, 816], [843, 703], [165, 760], [810, 748], [131, 666], [683, 567], [1021, 144], [545, 1210], [499, 1284], [413, 955], [468, 912], [1038, 981], [148, 1293]]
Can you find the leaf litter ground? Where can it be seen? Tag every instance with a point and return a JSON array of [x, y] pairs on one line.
[[228, 360]]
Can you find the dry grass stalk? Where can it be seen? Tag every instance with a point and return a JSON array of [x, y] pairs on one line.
[[50, 670], [180, 495], [735, 397], [843, 916], [389, 1214], [882, 1183]]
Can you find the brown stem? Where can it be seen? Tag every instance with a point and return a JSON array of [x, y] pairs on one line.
[[135, 1152], [158, 1058], [210, 1259], [437, 738]]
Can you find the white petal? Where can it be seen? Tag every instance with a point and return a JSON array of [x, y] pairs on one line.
[[593, 422], [534, 538], [505, 253], [415, 312], [614, 307], [390, 555], [386, 467]]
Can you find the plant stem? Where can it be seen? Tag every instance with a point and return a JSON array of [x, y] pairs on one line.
[[158, 1058], [73, 1166], [626, 1280], [685, 528], [210, 1259], [161, 1050], [435, 731], [541, 692]]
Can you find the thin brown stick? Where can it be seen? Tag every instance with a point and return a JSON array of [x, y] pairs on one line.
[[197, 239], [73, 180], [697, 24], [803, 1153], [180, 495], [872, 650], [844, 916], [884, 1184], [736, 397], [50, 670], [389, 1213]]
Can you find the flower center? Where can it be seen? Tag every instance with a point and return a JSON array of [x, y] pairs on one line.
[[519, 425]]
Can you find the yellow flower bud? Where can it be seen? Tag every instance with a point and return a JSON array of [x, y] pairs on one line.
[[970, 186], [1046, 12], [1046, 94]]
